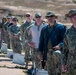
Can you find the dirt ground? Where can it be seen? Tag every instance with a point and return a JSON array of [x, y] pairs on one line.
[[7, 67]]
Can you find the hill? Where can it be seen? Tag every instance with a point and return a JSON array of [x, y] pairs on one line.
[[20, 7]]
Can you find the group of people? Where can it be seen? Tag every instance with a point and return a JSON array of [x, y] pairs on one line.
[[10, 30], [50, 44]]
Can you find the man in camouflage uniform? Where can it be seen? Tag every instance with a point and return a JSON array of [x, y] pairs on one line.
[[34, 34], [27, 23], [70, 43], [15, 36], [5, 29], [51, 43], [1, 30]]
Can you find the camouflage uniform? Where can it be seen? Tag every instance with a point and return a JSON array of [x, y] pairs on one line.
[[1, 25], [53, 64], [16, 42], [70, 44], [22, 30], [6, 34], [35, 61], [23, 37], [1, 32]]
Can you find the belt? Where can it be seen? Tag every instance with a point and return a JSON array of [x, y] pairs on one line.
[[50, 50]]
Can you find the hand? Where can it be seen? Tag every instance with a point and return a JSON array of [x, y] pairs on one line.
[[15, 36], [31, 44], [56, 47], [39, 56]]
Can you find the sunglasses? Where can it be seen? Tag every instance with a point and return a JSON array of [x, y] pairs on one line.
[[72, 16], [38, 17], [50, 16], [27, 15]]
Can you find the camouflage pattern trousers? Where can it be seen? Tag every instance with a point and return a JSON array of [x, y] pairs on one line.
[[71, 63], [53, 63], [16, 46], [6, 39], [36, 62], [27, 54], [0, 38]]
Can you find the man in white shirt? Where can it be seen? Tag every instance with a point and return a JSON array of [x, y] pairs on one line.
[[34, 32]]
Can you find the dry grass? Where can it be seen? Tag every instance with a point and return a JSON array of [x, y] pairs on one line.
[[22, 6]]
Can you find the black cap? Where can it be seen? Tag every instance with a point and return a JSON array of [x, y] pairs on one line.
[[15, 19]]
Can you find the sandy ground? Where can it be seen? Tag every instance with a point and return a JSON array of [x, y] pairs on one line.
[[9, 71], [7, 67]]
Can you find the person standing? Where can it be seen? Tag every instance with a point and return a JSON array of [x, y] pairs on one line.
[[14, 31], [1, 30], [23, 28], [25, 24], [51, 43], [70, 43], [33, 32], [6, 33]]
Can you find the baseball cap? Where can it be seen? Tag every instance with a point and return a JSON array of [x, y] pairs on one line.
[[28, 14], [38, 14]]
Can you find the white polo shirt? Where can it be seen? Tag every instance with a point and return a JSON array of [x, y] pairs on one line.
[[35, 32]]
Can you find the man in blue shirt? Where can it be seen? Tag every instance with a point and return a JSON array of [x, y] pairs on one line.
[[51, 43]]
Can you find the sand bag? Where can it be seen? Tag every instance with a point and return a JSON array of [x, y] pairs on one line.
[[9, 53], [4, 47], [18, 59]]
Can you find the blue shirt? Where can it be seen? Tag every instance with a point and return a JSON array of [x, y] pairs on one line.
[[55, 34]]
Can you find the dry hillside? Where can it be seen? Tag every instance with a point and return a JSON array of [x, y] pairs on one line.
[[20, 7]]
